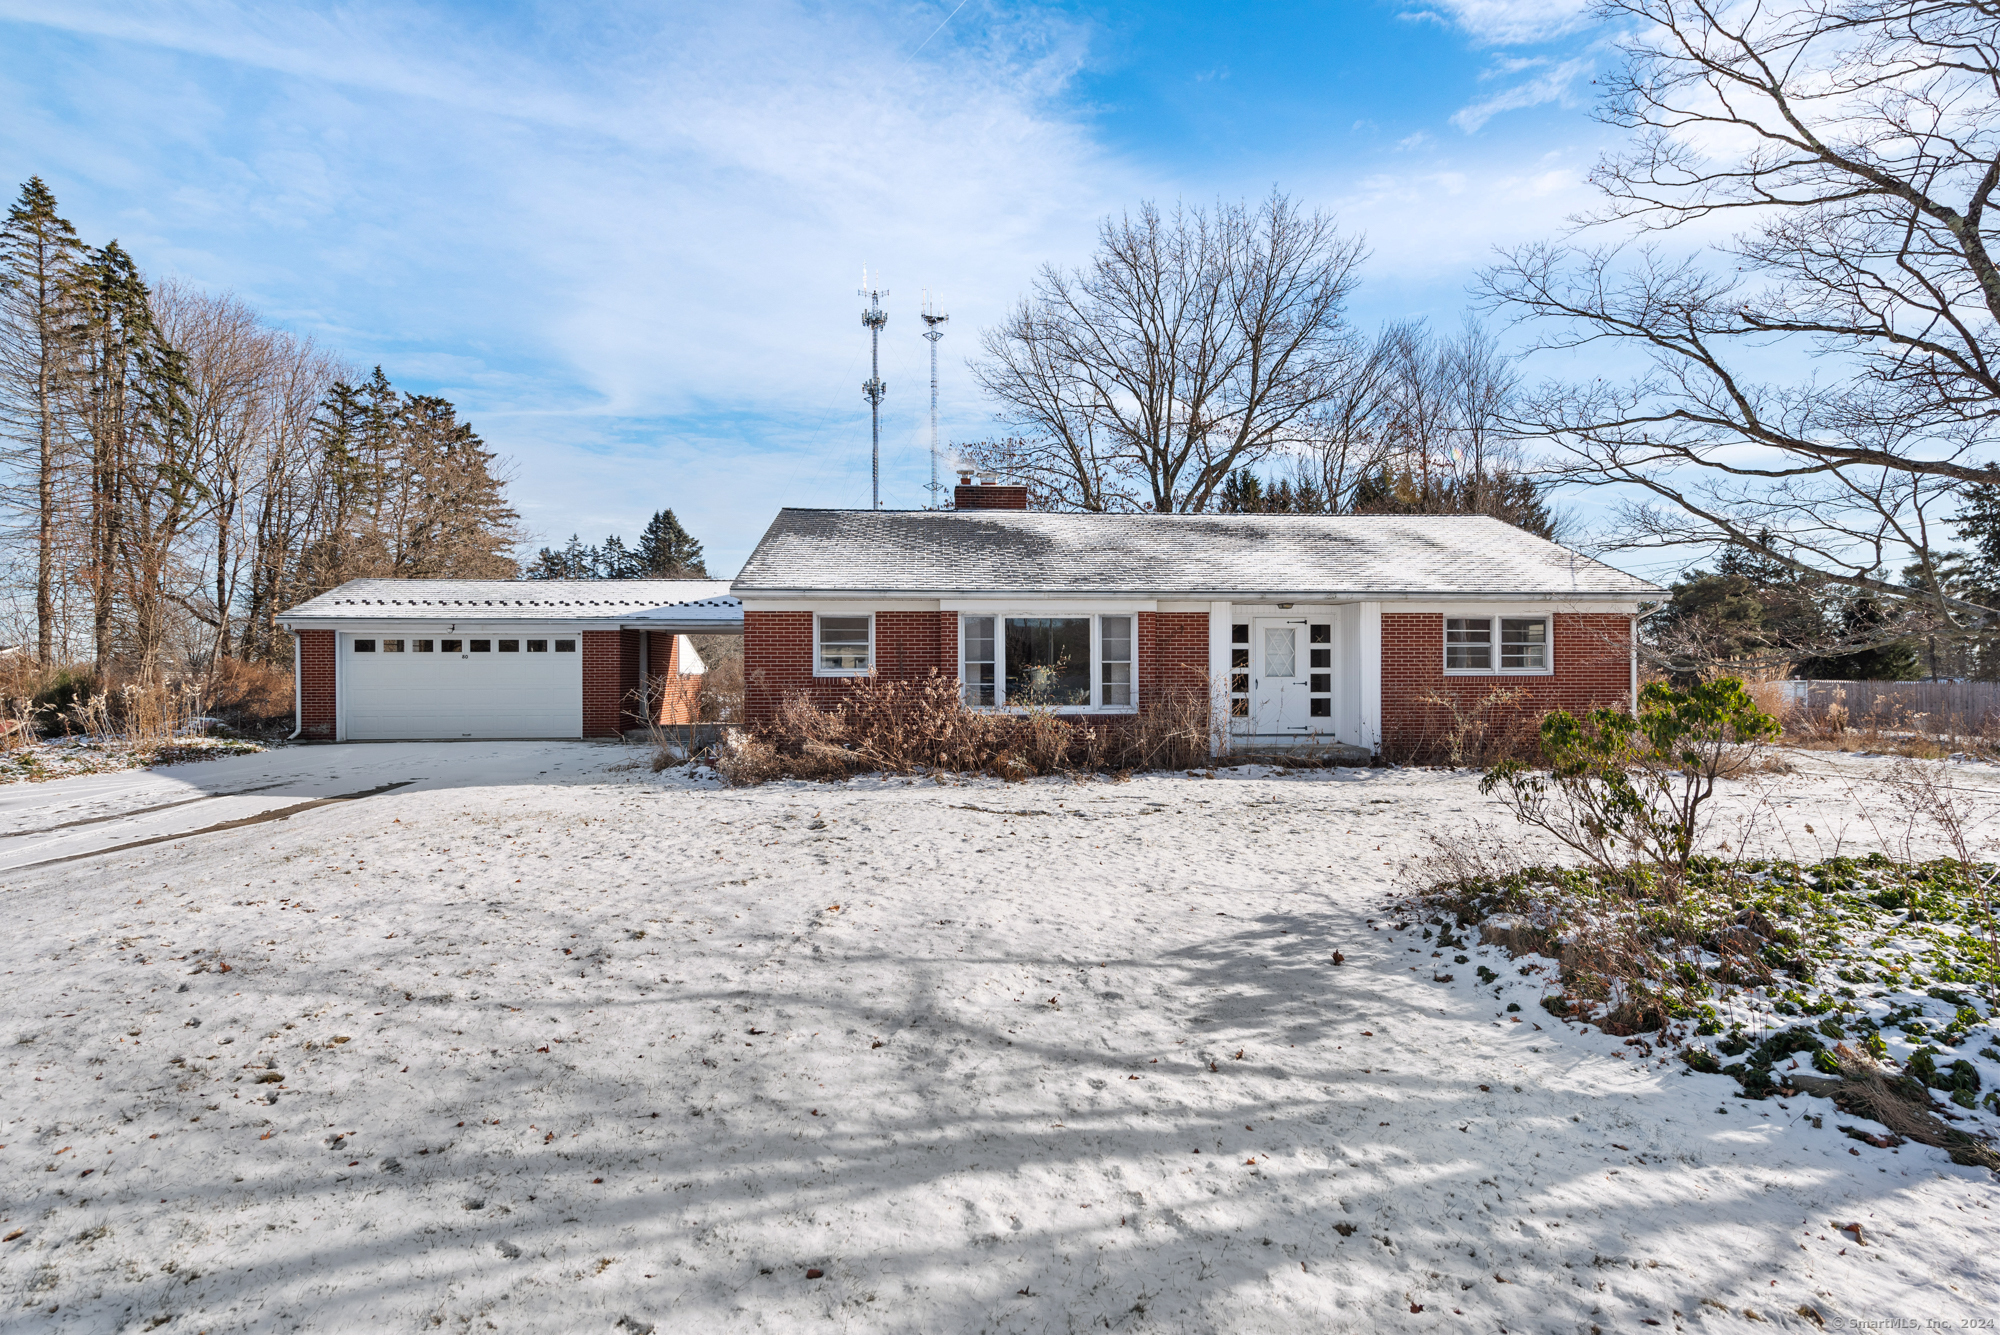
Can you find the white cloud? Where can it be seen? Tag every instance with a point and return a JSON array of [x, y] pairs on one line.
[[637, 236], [1508, 22], [1555, 83]]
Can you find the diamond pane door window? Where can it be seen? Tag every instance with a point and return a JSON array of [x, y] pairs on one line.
[[1281, 651]]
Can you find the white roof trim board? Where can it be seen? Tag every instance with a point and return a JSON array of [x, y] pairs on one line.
[[1241, 558], [678, 604]]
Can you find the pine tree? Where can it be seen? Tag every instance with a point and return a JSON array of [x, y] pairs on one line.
[[39, 257], [115, 328], [1242, 494], [667, 551], [574, 561], [616, 561]]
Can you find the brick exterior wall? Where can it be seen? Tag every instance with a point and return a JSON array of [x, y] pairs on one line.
[[1593, 668], [610, 676], [1173, 655], [778, 656], [318, 708]]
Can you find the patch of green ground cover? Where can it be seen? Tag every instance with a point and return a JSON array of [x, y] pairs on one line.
[[43, 761], [1757, 970]]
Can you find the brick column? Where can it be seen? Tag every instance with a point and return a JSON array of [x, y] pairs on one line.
[[318, 706], [604, 680]]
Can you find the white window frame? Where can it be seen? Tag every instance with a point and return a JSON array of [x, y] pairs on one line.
[[820, 670], [1096, 619], [1493, 620]]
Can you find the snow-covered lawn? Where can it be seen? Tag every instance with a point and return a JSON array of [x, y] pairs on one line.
[[542, 1041]]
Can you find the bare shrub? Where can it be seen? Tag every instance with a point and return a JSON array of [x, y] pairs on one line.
[[1479, 731], [924, 725]]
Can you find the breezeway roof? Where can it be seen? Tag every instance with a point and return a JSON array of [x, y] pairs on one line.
[[677, 604], [933, 553]]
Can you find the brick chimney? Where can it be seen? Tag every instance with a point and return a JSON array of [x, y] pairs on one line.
[[989, 495]]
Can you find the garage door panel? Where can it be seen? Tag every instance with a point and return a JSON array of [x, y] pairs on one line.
[[391, 696]]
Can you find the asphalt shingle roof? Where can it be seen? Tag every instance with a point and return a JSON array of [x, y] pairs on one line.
[[1247, 557], [528, 600]]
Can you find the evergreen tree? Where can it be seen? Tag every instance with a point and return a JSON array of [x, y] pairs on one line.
[[39, 257], [667, 551], [573, 561], [616, 561], [1242, 494], [115, 329]]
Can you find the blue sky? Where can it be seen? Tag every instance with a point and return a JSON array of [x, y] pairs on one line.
[[626, 238]]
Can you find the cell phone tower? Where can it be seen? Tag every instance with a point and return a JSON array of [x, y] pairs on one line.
[[873, 388], [933, 317]]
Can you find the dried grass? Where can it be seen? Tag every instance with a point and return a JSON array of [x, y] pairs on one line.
[[924, 726], [251, 696]]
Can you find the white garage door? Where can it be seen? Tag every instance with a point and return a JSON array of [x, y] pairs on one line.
[[521, 684]]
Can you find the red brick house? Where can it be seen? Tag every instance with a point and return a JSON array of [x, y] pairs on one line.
[[1339, 631], [446, 659]]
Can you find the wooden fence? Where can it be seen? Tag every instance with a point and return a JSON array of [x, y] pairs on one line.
[[1939, 708]]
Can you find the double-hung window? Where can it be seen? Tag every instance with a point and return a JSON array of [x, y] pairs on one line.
[[843, 645], [1048, 662], [1496, 644]]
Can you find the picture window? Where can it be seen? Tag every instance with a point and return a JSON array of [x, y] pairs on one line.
[[1049, 662]]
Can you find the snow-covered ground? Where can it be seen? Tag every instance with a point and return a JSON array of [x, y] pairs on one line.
[[542, 1041]]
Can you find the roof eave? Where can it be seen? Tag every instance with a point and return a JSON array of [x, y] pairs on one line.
[[1227, 595]]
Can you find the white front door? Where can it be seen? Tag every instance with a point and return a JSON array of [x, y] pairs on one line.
[[1278, 677], [1288, 690]]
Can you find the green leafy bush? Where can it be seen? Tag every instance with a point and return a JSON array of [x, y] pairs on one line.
[[1626, 790]]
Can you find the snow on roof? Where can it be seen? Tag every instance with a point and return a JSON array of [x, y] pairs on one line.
[[1249, 557], [676, 600]]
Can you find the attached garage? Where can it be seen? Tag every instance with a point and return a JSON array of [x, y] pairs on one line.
[[525, 684], [447, 660]]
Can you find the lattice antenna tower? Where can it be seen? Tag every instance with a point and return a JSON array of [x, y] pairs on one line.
[[873, 388], [933, 317]]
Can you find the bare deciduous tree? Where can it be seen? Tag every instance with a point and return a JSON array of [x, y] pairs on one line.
[[1822, 399], [1193, 344]]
